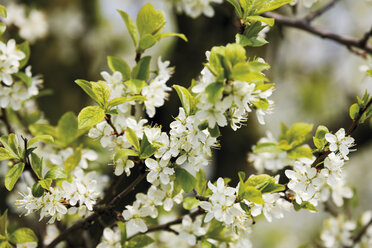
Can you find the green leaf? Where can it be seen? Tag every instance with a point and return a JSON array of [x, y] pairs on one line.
[[87, 87], [37, 190], [185, 97], [120, 100], [118, 64], [237, 7], [56, 173], [261, 103], [218, 231], [201, 182], [146, 41], [146, 149], [304, 205], [72, 161], [214, 132], [23, 235], [14, 146], [164, 35], [40, 129], [214, 91], [369, 73], [149, 20], [90, 116], [25, 48], [267, 147], [102, 92], [13, 175], [299, 133], [135, 85], [139, 241], [2, 11], [26, 79], [273, 4], [67, 129], [272, 188], [142, 70], [235, 54], [319, 138], [123, 232], [46, 138], [244, 72], [132, 138], [124, 153], [37, 165], [268, 21], [300, 152], [190, 203], [255, 41], [3, 223], [2, 30], [354, 111], [5, 154], [252, 194], [264, 183], [132, 29], [46, 183], [185, 179]]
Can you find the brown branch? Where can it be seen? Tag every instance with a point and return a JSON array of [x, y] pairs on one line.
[[166, 226], [310, 17], [360, 234], [109, 121], [302, 24], [98, 211], [366, 37]]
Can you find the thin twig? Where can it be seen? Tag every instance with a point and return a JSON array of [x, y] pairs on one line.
[[310, 17], [366, 37], [305, 26], [166, 226], [109, 121], [360, 234], [98, 211]]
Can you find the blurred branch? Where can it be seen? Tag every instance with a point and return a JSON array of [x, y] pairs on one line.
[[351, 43], [310, 17], [360, 234], [98, 211]]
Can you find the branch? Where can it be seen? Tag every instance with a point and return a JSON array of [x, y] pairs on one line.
[[350, 43], [323, 154], [109, 121], [166, 226], [98, 211], [310, 17], [359, 236]]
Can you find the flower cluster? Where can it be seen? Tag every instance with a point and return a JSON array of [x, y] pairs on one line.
[[337, 232], [111, 238], [195, 8], [32, 24]]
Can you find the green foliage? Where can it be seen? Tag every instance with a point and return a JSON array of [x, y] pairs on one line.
[[139, 241], [187, 100], [362, 105], [369, 73], [25, 48], [132, 138], [5, 154], [147, 33], [123, 232], [185, 179], [13, 175], [319, 138], [3, 11], [37, 165], [46, 138], [67, 129], [201, 183], [304, 205], [56, 173], [214, 91], [146, 149], [72, 161], [37, 190], [124, 153], [354, 111], [217, 231], [190, 203], [3, 224], [118, 64], [23, 235], [90, 116], [142, 70]]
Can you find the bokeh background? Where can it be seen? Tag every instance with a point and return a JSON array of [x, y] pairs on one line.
[[316, 80]]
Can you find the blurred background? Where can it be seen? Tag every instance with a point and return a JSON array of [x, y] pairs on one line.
[[316, 80]]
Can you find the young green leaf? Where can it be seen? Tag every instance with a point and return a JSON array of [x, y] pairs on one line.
[[135, 85], [354, 111], [132, 138], [87, 87], [214, 91], [139, 241], [164, 35], [272, 4], [72, 161], [67, 129], [102, 92], [25, 48], [185, 179], [132, 29], [123, 232], [255, 41], [90, 116], [56, 173], [142, 70], [23, 235], [201, 183], [120, 100], [146, 41], [37, 165], [300, 152], [149, 20], [146, 149], [3, 223], [13, 175], [2, 11], [190, 203], [237, 7], [46, 138], [124, 153], [185, 97], [37, 190], [5, 154], [267, 147], [118, 64], [46, 183]]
